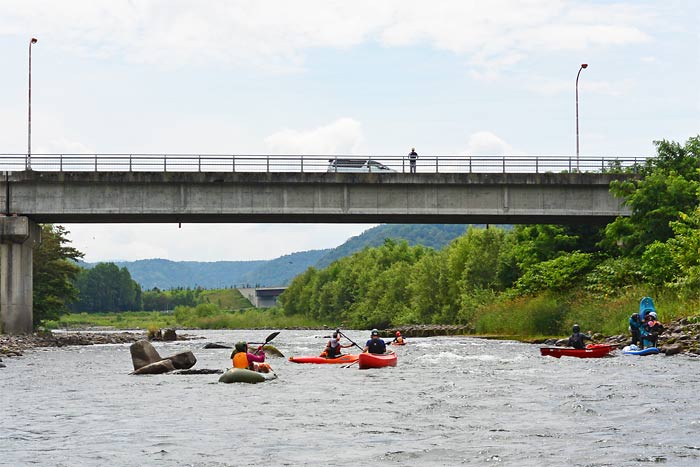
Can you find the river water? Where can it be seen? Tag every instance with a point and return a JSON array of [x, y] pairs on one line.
[[449, 401]]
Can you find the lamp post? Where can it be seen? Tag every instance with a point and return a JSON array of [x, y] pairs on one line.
[[583, 65], [29, 115]]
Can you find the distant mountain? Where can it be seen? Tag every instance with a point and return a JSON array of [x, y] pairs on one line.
[[431, 235], [166, 274]]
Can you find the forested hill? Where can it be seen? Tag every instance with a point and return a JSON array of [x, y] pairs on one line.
[[431, 235], [166, 274]]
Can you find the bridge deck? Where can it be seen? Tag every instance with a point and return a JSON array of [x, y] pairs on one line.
[[268, 197]]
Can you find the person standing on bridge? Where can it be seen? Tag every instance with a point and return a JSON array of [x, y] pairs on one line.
[[412, 158]]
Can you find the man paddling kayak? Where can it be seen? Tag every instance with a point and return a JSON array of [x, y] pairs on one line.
[[375, 345]]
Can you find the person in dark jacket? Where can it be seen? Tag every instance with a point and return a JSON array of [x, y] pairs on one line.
[[412, 158], [375, 345], [577, 338], [635, 329]]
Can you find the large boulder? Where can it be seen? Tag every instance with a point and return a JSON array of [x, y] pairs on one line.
[[157, 368], [673, 349], [143, 353], [272, 351], [169, 335], [216, 345], [182, 360]]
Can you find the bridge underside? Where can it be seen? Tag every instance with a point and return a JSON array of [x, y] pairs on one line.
[[147, 197], [475, 218]]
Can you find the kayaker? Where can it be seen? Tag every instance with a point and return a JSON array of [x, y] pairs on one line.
[[375, 345], [650, 330], [241, 358], [577, 338], [333, 347], [398, 339], [635, 329]]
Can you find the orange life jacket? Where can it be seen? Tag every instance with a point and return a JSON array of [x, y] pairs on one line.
[[240, 360]]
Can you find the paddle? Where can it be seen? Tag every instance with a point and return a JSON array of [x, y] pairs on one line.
[[267, 340], [351, 341]]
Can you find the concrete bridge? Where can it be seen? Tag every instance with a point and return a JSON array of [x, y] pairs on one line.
[[28, 197]]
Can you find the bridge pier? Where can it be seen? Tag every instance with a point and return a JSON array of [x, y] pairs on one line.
[[18, 238]]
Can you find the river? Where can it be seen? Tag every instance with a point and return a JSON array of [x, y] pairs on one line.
[[449, 401]]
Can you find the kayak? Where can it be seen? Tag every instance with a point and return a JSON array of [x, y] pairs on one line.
[[397, 343], [591, 351], [371, 360], [241, 375], [314, 359], [634, 350]]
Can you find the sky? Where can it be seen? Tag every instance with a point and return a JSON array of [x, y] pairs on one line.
[[447, 77]]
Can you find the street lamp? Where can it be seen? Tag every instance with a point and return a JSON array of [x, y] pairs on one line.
[[29, 116], [583, 65]]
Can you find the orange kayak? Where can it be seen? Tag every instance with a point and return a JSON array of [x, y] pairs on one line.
[[323, 360]]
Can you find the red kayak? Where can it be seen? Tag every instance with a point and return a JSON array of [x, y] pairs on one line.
[[314, 359], [371, 360], [591, 351]]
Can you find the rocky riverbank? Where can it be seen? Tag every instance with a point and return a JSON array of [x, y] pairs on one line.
[[681, 336], [14, 346]]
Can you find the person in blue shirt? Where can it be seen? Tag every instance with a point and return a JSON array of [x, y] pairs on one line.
[[635, 329], [375, 345]]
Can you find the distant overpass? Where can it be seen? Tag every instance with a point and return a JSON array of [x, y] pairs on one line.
[[284, 189]]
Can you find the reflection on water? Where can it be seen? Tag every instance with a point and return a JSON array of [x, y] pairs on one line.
[[449, 401]]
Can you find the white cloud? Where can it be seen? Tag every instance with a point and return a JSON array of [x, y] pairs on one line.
[[487, 144], [275, 34], [342, 136]]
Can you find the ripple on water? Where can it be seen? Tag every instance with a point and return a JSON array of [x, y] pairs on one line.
[[450, 401]]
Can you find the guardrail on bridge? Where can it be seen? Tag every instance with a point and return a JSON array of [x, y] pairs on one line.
[[312, 163]]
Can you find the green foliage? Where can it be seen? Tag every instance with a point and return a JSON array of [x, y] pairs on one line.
[[658, 265], [159, 300], [54, 271], [669, 187], [434, 236], [121, 320], [541, 315], [228, 299], [613, 276], [685, 250], [106, 287], [209, 316], [557, 274]]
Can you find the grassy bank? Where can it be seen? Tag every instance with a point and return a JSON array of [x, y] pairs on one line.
[[206, 316], [554, 314]]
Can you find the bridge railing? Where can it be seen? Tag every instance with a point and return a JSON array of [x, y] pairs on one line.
[[313, 163]]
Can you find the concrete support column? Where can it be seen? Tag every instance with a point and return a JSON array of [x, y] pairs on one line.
[[18, 238]]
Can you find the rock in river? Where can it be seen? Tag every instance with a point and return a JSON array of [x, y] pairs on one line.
[[163, 366], [143, 353], [183, 360]]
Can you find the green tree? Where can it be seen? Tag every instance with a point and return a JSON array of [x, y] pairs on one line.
[[668, 187], [54, 271], [106, 287]]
